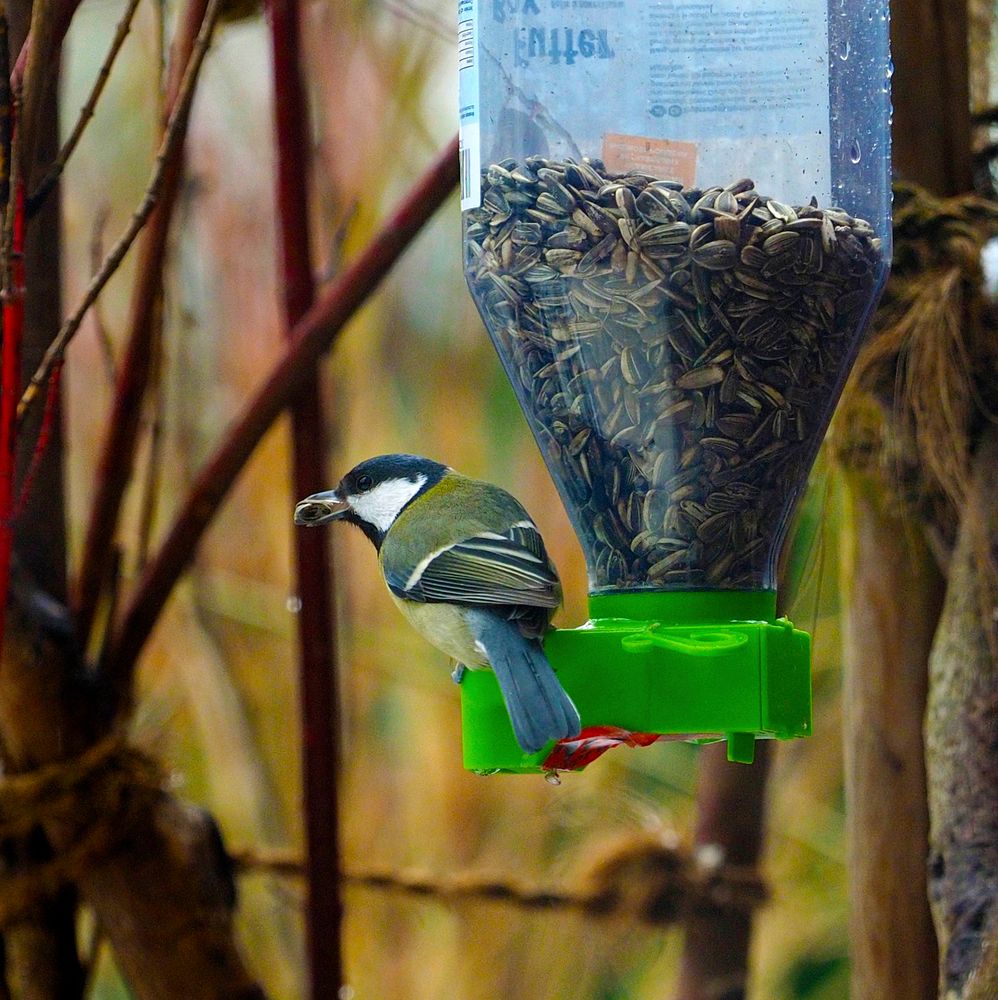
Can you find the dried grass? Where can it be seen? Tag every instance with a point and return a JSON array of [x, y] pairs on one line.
[[924, 381]]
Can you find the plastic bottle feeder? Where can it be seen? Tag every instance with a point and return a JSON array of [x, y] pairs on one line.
[[677, 334]]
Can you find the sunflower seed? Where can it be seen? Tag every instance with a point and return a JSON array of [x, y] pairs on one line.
[[678, 351]]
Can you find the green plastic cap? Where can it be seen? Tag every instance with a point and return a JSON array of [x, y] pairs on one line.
[[700, 665]]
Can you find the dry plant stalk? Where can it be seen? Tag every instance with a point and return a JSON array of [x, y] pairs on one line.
[[928, 362]]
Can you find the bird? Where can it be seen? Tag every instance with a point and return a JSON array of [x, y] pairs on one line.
[[466, 565]]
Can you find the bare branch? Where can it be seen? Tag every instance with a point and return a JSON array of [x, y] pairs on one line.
[[96, 259], [154, 461], [45, 185], [176, 129], [637, 876], [317, 663]]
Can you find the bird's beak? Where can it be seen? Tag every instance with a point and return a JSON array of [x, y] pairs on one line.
[[320, 508]]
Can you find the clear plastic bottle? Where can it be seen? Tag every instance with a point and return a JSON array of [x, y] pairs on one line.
[[676, 225]]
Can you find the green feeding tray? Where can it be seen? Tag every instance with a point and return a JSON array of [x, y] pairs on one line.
[[693, 665]]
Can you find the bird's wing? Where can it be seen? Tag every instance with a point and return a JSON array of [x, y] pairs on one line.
[[488, 568]]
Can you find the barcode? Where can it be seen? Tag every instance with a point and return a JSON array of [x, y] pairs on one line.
[[464, 152]]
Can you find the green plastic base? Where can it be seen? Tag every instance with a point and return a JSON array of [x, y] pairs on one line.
[[704, 665]]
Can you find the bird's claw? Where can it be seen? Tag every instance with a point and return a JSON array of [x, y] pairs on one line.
[[457, 674]]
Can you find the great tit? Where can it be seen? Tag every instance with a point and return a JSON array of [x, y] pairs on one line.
[[467, 567]]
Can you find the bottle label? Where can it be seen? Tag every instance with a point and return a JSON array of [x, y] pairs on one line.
[[470, 146], [691, 90]]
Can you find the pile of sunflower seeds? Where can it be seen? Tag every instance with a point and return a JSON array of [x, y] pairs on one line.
[[678, 351]]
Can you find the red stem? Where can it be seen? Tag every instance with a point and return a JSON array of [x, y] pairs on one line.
[[310, 337], [118, 453], [45, 432], [318, 671], [10, 390]]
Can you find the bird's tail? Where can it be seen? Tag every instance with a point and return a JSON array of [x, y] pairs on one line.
[[538, 706]]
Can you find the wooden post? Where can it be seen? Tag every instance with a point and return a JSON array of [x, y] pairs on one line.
[[931, 94], [893, 588], [892, 594]]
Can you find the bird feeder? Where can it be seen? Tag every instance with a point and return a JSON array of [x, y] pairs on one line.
[[676, 222]]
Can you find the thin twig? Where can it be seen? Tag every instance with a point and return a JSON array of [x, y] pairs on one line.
[[154, 461], [277, 863], [161, 81], [176, 128], [310, 338], [673, 883], [45, 185], [96, 258]]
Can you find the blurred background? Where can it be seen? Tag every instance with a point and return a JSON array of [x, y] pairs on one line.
[[414, 371]]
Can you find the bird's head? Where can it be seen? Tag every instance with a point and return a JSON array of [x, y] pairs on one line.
[[372, 494]]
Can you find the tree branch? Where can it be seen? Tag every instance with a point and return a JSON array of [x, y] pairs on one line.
[[316, 625], [310, 338]]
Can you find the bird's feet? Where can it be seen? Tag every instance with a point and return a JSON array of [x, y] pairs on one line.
[[457, 674]]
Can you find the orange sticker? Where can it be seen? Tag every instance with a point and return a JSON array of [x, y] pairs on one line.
[[665, 158]]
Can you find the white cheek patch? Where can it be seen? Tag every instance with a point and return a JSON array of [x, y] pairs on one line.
[[381, 505]]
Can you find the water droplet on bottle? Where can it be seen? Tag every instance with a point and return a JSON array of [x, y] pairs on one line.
[[551, 777], [855, 153], [293, 603], [844, 49], [890, 68]]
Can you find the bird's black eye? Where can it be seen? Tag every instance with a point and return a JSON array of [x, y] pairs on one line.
[[364, 483]]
